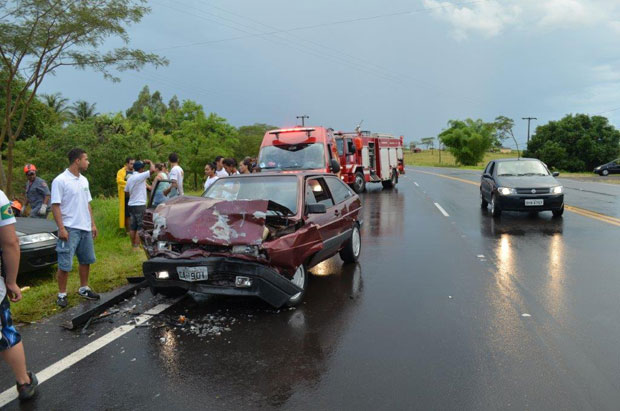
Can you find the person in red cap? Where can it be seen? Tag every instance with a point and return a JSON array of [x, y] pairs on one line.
[[37, 193]]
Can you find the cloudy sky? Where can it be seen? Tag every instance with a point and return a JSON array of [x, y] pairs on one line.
[[402, 66]]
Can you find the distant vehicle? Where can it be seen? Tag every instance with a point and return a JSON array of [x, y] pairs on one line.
[[520, 185], [37, 243], [367, 157], [609, 168], [251, 235], [299, 148], [417, 150]]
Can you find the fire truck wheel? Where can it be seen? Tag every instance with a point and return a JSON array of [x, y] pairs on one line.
[[353, 247], [359, 185]]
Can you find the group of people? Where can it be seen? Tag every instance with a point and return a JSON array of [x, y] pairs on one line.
[[70, 203]]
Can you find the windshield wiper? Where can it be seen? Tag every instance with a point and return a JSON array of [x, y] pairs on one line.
[[505, 175], [532, 174]]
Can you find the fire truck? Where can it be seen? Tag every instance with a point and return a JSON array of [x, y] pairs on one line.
[[367, 157]]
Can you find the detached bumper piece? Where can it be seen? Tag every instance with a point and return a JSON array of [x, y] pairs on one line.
[[517, 202], [226, 276]]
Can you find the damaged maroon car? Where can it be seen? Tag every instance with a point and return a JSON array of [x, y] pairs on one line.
[[251, 235]]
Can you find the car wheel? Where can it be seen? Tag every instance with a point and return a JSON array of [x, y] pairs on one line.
[[558, 213], [353, 247], [495, 210], [359, 185], [170, 291], [483, 203], [300, 279], [605, 173]]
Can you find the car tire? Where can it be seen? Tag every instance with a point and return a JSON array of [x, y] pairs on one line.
[[353, 247], [495, 210], [392, 181], [300, 279], [359, 185], [605, 173], [170, 291], [558, 213], [483, 203]]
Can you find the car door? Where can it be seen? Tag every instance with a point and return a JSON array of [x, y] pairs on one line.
[[615, 167], [486, 182], [317, 192], [340, 193]]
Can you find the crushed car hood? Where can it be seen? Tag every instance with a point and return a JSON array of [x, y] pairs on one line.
[[210, 221]]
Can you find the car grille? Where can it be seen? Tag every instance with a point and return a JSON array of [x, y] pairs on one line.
[[529, 190]]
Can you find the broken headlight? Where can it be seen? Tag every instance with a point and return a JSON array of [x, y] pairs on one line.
[[164, 245], [245, 249]]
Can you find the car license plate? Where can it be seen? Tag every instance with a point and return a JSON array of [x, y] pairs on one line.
[[200, 273], [537, 202]]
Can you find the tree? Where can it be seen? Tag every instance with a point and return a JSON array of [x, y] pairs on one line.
[[250, 139], [37, 37], [145, 101], [503, 130], [58, 104], [468, 140], [428, 142], [575, 143], [82, 110]]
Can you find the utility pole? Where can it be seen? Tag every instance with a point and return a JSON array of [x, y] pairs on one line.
[[303, 117], [528, 125]]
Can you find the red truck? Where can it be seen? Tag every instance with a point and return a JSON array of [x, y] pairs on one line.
[[369, 158]]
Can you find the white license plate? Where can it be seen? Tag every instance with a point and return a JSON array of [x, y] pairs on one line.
[[537, 202], [193, 273]]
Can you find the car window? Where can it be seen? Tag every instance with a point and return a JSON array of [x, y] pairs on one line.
[[317, 193], [351, 147], [487, 168], [521, 168], [340, 146], [492, 167], [339, 190]]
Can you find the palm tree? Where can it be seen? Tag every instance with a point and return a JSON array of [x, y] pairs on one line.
[[58, 104], [82, 110]]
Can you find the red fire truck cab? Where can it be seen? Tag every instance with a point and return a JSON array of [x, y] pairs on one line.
[[299, 148], [369, 158]]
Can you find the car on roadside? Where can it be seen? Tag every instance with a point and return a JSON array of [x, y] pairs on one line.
[[37, 243], [520, 184], [613, 167], [251, 235]]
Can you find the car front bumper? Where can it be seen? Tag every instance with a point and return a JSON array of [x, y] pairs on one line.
[[267, 283], [37, 256], [517, 202]]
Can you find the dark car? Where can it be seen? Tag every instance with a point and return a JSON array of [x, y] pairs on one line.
[[613, 167], [37, 242], [251, 235], [523, 184]]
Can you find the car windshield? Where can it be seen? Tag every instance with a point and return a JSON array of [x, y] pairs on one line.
[[292, 156], [279, 189], [521, 168]]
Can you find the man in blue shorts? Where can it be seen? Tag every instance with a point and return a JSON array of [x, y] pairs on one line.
[[11, 347], [76, 226]]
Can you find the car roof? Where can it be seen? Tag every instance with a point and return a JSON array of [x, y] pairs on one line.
[[296, 173], [502, 160]]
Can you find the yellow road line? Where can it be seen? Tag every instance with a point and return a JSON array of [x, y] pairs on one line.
[[581, 211]]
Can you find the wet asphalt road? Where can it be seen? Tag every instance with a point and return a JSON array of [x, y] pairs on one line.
[[432, 317]]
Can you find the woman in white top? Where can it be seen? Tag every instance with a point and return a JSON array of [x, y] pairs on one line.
[[162, 174], [210, 174]]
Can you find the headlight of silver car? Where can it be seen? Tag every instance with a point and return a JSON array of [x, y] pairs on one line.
[[505, 191], [557, 190], [36, 238]]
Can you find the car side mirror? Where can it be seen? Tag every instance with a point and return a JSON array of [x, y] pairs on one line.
[[486, 175], [316, 209], [334, 165], [555, 174]]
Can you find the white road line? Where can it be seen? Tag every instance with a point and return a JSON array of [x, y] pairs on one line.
[[417, 185], [10, 394], [442, 210]]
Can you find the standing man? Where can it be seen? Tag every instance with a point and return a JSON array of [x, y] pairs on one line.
[[11, 347], [136, 188], [37, 193], [121, 180], [219, 165], [76, 227], [176, 177]]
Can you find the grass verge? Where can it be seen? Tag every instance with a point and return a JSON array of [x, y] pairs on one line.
[[115, 262]]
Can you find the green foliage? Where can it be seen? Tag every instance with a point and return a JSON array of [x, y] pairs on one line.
[[575, 143], [503, 130], [82, 110], [250, 139], [428, 142], [468, 140]]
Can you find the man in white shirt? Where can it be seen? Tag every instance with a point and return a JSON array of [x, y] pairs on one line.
[[210, 174], [176, 177], [11, 347], [136, 189], [220, 171], [76, 227]]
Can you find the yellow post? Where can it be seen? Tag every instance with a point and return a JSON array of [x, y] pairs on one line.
[[121, 183]]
